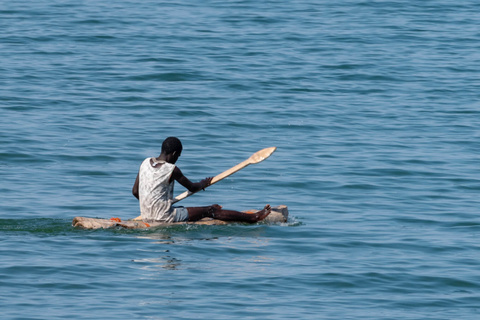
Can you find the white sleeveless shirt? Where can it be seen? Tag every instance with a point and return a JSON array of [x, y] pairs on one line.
[[156, 193]]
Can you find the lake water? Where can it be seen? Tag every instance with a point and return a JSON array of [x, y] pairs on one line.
[[374, 107]]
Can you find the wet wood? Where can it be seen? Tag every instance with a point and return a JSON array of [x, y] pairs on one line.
[[279, 214]]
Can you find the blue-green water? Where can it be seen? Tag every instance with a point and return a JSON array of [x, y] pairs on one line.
[[373, 105]]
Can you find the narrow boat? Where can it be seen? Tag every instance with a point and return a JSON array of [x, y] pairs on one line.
[[279, 214]]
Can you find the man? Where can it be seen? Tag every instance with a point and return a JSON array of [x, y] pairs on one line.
[[154, 190]]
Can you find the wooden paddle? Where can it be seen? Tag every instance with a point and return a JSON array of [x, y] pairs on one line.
[[257, 157]]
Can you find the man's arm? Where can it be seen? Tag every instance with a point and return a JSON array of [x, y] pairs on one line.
[[135, 188], [189, 185]]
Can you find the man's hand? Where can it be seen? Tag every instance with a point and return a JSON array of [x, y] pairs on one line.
[[206, 182]]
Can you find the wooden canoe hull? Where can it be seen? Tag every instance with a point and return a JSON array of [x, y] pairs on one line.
[[279, 214]]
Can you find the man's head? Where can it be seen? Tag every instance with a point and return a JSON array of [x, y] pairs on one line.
[[172, 146]]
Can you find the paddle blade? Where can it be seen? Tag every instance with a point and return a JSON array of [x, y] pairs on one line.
[[261, 155]]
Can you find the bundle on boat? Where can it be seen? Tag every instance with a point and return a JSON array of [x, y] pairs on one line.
[[279, 214]]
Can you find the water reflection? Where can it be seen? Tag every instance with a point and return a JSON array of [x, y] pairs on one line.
[[201, 249], [167, 262]]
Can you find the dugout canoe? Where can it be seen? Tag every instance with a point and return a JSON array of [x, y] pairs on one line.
[[279, 214]]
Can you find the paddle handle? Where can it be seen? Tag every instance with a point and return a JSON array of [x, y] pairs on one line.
[[215, 179]]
